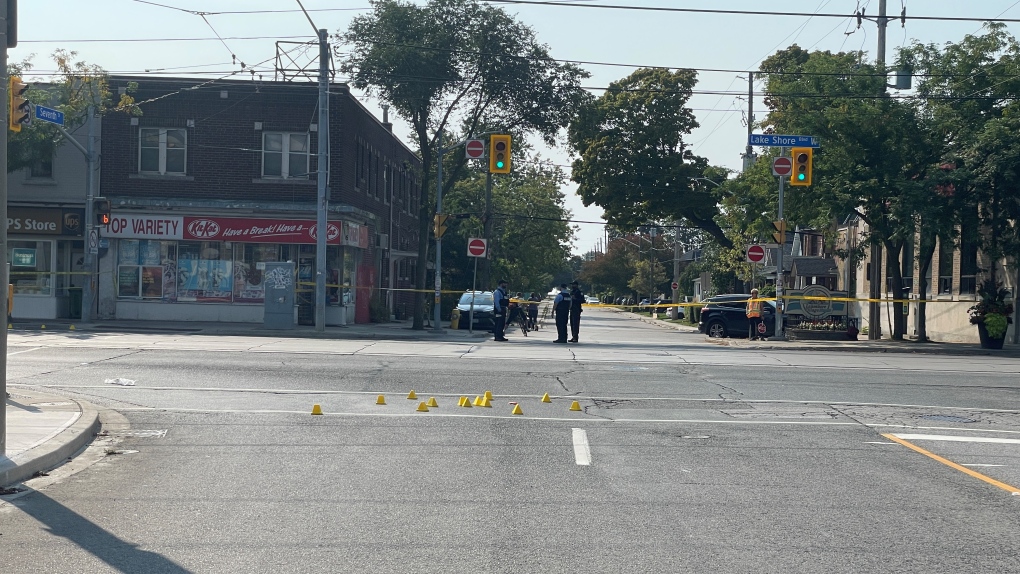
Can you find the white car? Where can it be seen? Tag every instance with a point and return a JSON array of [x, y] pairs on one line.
[[591, 300]]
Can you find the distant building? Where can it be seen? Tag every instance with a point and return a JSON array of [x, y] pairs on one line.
[[219, 177]]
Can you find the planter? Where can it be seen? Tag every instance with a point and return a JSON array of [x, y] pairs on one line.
[[816, 335], [988, 342]]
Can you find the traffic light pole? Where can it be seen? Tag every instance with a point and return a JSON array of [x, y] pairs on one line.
[[438, 302], [779, 334], [3, 228], [88, 290], [322, 185]]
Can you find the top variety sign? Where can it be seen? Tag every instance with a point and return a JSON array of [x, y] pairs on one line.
[[245, 230]]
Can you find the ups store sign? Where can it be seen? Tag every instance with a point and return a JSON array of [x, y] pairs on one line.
[[45, 221]]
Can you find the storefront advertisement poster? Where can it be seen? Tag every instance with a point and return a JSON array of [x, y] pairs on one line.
[[127, 281], [249, 286], [152, 282], [205, 280]]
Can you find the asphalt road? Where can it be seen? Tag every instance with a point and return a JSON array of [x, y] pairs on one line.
[[686, 457]]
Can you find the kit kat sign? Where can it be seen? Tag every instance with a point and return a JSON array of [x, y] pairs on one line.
[[243, 230], [256, 230]]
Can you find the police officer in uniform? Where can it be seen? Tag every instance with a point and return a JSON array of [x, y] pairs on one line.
[[576, 298], [500, 302], [561, 310]]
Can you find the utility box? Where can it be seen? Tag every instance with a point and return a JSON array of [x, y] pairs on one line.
[[278, 279]]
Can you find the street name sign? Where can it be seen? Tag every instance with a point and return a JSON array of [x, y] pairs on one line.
[[477, 247], [776, 140], [49, 115], [782, 166], [474, 149], [755, 253]]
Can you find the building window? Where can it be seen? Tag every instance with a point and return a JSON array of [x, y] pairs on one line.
[[968, 265], [162, 151], [146, 269], [41, 169], [285, 155], [945, 268], [31, 267]]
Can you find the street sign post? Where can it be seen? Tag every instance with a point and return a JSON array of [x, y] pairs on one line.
[[49, 115], [755, 253], [477, 247], [776, 140], [782, 166], [474, 149]]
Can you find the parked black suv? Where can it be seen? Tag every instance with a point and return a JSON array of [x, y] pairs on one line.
[[726, 316]]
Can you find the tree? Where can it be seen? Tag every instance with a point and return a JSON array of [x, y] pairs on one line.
[[876, 150], [648, 276], [78, 85], [459, 61], [632, 158]]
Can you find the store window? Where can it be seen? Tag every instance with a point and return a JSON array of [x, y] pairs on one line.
[[146, 269], [285, 155], [205, 271], [162, 151], [249, 270], [31, 267]]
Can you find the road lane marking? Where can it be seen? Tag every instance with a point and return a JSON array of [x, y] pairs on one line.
[[25, 351], [582, 451], [984, 465], [942, 437], [1012, 489]]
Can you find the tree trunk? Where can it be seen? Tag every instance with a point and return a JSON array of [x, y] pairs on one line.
[[893, 269], [925, 254], [426, 210]]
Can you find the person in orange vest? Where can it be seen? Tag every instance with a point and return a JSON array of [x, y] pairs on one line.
[[754, 316]]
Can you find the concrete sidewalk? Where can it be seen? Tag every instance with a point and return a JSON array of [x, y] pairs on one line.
[[862, 344], [43, 430]]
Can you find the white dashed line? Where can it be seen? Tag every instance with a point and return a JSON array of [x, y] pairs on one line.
[[957, 438], [582, 452]]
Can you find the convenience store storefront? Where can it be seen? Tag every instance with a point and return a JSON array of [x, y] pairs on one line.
[[46, 255], [198, 268]]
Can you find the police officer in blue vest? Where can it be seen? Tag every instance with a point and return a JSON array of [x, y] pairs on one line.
[[561, 311]]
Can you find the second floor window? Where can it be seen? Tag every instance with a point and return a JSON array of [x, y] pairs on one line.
[[284, 155], [163, 151]]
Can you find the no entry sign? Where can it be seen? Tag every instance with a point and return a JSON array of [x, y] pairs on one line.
[[477, 247], [675, 285], [474, 149], [782, 166], [755, 253]]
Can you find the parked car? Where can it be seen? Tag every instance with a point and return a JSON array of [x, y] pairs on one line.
[[591, 300], [483, 306], [725, 316]]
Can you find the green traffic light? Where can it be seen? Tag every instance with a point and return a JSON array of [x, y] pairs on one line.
[[499, 164], [801, 177]]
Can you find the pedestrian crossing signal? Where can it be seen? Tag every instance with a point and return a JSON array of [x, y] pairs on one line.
[[780, 234], [439, 225]]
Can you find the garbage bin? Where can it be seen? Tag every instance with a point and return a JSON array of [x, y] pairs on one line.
[[455, 319], [74, 302]]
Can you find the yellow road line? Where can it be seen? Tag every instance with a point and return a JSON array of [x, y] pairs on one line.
[[951, 464]]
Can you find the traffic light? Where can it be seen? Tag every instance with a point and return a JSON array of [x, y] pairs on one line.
[[101, 209], [20, 110], [802, 160], [439, 225], [780, 234], [499, 153]]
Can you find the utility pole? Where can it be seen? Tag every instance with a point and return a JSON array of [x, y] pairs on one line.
[[875, 291], [749, 156], [676, 264], [779, 334], [438, 328], [4, 271], [322, 177], [89, 288]]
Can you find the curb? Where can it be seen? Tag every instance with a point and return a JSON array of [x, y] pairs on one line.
[[54, 451], [1012, 353]]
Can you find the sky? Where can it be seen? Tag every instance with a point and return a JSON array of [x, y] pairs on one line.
[[167, 37]]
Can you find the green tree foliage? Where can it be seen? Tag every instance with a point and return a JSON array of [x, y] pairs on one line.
[[77, 86], [531, 235], [632, 158], [876, 150], [648, 277], [457, 61]]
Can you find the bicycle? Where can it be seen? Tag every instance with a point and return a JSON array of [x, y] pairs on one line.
[[517, 316]]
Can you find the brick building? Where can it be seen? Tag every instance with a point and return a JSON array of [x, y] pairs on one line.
[[215, 178]]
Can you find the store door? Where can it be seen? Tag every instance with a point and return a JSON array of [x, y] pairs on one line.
[[305, 293]]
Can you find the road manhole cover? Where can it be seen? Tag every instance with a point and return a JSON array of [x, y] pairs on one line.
[[948, 418]]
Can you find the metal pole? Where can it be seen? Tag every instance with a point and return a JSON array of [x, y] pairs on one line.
[[875, 288], [322, 175], [749, 151], [487, 229], [779, 266], [471, 311], [88, 290], [676, 266], [439, 240], [3, 228]]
